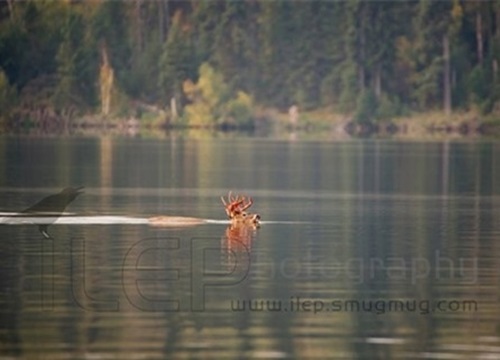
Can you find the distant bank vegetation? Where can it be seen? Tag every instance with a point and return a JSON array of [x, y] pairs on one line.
[[231, 64]]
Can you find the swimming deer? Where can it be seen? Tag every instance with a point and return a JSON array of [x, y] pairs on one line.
[[235, 207]]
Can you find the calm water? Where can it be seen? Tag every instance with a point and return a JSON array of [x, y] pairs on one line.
[[368, 250]]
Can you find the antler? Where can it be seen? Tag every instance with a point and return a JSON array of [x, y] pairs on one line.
[[247, 205], [236, 205]]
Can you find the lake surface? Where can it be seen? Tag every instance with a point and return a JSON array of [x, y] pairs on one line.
[[367, 250]]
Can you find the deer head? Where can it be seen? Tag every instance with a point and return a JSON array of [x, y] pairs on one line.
[[235, 207]]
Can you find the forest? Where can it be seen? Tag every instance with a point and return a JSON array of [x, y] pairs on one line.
[[206, 63]]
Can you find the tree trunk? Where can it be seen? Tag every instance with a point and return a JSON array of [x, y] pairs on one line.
[[494, 65], [497, 20], [479, 36], [361, 72], [138, 29], [11, 9], [163, 19], [446, 76], [106, 80], [377, 82], [496, 38], [173, 108]]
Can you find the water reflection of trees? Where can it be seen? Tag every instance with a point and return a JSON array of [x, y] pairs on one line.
[[375, 200]]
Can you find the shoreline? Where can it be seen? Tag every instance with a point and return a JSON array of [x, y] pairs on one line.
[[268, 122]]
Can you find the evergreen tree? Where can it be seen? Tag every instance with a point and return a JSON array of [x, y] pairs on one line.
[[7, 95], [76, 64], [178, 61], [431, 26], [109, 26], [421, 54]]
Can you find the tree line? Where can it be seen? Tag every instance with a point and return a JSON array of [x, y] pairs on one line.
[[216, 60]]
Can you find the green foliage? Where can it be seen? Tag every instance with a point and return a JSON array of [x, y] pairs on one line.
[[141, 78], [349, 90], [76, 66], [7, 95], [366, 108], [433, 21], [211, 102], [110, 26], [369, 108], [478, 84], [389, 108], [364, 58], [41, 41], [177, 61], [239, 110], [29, 40], [234, 46], [207, 98]]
